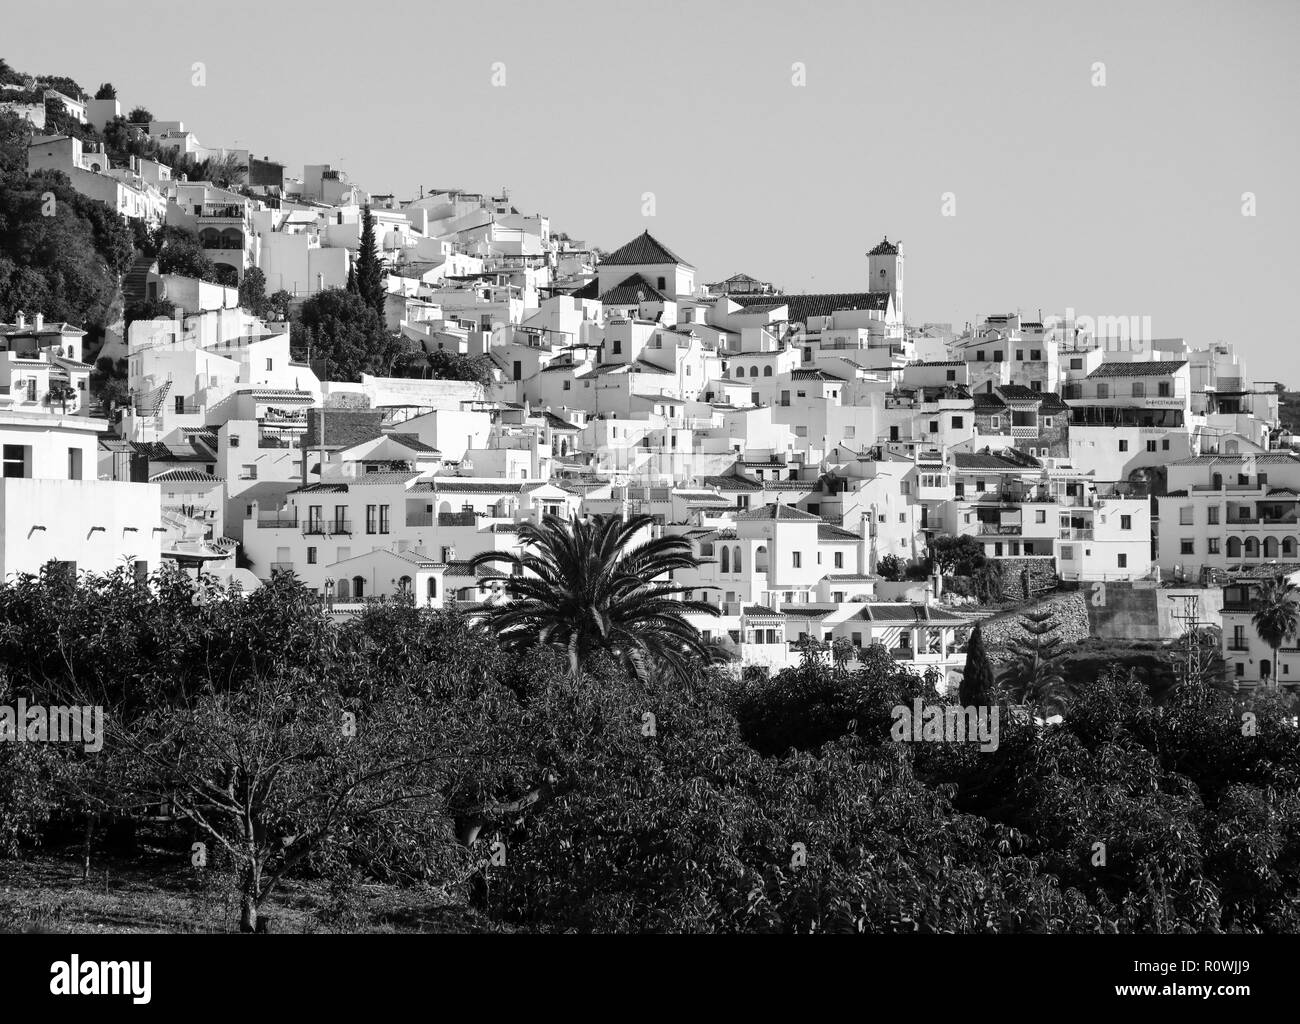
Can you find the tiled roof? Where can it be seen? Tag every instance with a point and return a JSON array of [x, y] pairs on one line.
[[344, 428], [760, 307], [833, 533], [814, 375], [413, 442], [806, 611], [590, 290], [72, 364], [1156, 368], [1261, 458], [460, 568], [189, 476], [444, 485], [557, 423], [775, 511], [758, 611], [381, 479], [804, 307], [281, 395], [732, 483], [978, 460], [1020, 393], [851, 577], [885, 248], [630, 291], [644, 249]]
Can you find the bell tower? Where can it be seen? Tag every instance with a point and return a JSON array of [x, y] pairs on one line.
[[885, 272]]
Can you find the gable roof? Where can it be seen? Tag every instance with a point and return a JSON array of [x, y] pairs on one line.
[[343, 428], [632, 290], [802, 307], [644, 249], [835, 533], [783, 512], [1155, 368]]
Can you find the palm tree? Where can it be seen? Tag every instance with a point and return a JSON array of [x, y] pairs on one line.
[[1034, 680], [588, 586], [1275, 613]]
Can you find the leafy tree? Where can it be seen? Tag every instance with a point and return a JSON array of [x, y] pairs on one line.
[[589, 586], [956, 556], [890, 567], [445, 365], [139, 115], [278, 305], [252, 292], [184, 256], [341, 329], [370, 284], [106, 92], [978, 682], [147, 309], [1275, 613]]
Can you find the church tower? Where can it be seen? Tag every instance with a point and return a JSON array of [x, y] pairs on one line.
[[885, 272]]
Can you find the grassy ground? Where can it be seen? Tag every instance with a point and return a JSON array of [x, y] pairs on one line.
[[150, 893]]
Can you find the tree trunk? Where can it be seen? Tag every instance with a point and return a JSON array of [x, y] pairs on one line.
[[85, 848], [251, 889]]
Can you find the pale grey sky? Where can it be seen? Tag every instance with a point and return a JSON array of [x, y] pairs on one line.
[[1119, 200]]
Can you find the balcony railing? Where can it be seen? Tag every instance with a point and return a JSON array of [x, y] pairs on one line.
[[327, 527], [1024, 431], [282, 567], [276, 521], [457, 519], [419, 519], [1075, 533]]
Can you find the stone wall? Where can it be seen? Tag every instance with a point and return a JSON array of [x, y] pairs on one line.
[[1003, 630], [1038, 572]]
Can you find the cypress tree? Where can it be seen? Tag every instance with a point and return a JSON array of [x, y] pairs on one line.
[[370, 283], [977, 681]]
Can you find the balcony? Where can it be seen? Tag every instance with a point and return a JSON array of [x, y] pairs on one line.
[[276, 442], [1075, 533], [457, 519], [282, 567], [277, 521], [998, 530], [327, 527], [1029, 432], [222, 211], [419, 519]]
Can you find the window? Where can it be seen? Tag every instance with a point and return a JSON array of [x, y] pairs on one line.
[[1187, 547], [1067, 552], [798, 559], [1122, 561], [1162, 389], [618, 347], [179, 404], [568, 384], [979, 356], [248, 472], [1151, 446], [1036, 354], [1126, 522], [1103, 390], [311, 556], [1164, 445], [74, 463], [1040, 516], [839, 559], [934, 426], [997, 423], [902, 517], [372, 517], [269, 364], [1213, 513], [997, 356], [1186, 515], [1076, 364], [383, 518], [951, 375], [663, 283], [1020, 353], [1241, 669], [957, 422], [1047, 421], [233, 441], [1139, 389], [1123, 446], [1214, 545], [141, 571], [1035, 385]]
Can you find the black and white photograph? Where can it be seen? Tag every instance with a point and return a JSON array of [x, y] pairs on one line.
[[560, 469]]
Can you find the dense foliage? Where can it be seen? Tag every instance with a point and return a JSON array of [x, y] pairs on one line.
[[624, 804]]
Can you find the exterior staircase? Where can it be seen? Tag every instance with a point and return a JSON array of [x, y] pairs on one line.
[[136, 281]]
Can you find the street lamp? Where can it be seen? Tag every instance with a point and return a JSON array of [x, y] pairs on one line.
[[329, 592]]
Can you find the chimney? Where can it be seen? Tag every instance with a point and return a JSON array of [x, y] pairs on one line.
[[22, 319], [40, 321]]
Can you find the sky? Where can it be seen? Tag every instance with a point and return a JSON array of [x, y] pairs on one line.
[[1115, 199]]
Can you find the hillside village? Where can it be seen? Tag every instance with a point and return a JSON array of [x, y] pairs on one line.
[[824, 454]]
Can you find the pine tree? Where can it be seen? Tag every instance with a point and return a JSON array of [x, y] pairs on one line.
[[1036, 679], [352, 278], [370, 284], [977, 681]]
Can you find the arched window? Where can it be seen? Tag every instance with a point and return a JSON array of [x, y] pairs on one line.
[[345, 592], [404, 584], [1251, 548], [1234, 547], [767, 371], [1270, 547], [726, 559], [760, 558], [432, 589], [753, 371], [1288, 547], [358, 587], [735, 559]]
